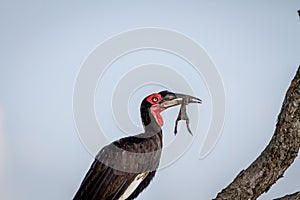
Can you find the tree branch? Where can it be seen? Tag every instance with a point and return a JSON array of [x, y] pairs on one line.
[[276, 157], [294, 196]]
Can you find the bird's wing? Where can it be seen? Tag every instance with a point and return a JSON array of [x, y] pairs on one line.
[[142, 185], [115, 168], [102, 182]]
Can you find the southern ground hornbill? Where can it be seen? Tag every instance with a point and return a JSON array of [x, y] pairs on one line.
[[124, 168]]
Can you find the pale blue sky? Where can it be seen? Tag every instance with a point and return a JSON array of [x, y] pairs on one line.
[[255, 46]]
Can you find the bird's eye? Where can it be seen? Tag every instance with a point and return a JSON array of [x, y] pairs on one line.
[[154, 99]]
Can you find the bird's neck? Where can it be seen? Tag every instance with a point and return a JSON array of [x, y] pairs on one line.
[[150, 124]]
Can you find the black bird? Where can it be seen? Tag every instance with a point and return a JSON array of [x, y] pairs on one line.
[[124, 168]]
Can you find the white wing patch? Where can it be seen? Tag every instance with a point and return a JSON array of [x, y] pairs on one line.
[[135, 183]]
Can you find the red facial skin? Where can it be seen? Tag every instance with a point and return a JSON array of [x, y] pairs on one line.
[[155, 109]]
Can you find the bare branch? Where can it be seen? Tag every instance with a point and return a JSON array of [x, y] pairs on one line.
[[295, 196], [277, 156]]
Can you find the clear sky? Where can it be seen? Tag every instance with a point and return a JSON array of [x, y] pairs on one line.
[[254, 45]]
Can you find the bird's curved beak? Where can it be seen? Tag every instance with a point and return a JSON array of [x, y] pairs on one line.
[[175, 99]]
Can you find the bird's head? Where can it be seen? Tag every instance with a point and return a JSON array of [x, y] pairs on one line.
[[154, 104]]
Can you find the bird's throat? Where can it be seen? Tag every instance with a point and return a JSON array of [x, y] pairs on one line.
[[155, 110]]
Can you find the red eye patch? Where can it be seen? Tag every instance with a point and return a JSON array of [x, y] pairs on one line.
[[154, 99]]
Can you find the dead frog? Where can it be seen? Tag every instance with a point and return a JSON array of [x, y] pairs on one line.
[[182, 115]]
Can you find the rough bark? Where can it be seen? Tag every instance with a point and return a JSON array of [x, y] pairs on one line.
[[276, 157], [295, 196]]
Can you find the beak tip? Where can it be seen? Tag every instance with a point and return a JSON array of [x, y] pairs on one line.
[[196, 100]]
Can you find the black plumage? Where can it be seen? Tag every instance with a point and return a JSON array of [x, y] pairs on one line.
[[106, 179]]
